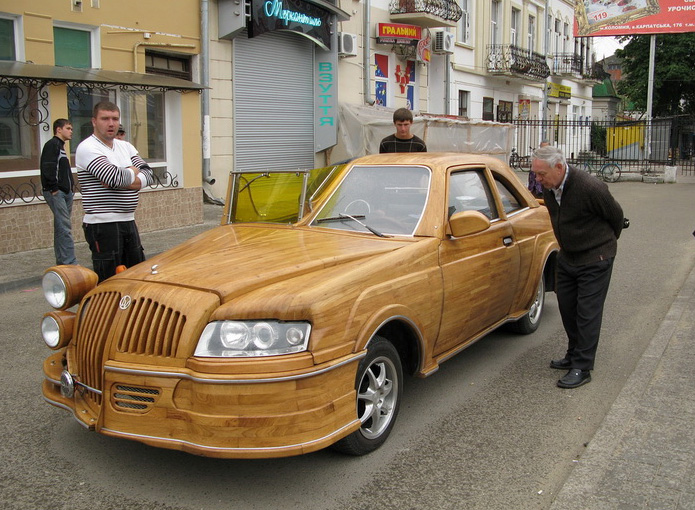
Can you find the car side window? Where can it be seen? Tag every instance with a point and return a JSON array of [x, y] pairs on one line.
[[510, 202], [469, 191]]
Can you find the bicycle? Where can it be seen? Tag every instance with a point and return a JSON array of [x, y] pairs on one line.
[[609, 172], [521, 162]]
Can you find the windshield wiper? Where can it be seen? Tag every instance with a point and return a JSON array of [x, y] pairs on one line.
[[343, 216]]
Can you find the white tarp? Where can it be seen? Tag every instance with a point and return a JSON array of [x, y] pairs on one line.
[[361, 129]]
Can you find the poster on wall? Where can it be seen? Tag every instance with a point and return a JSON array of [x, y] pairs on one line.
[[632, 17]]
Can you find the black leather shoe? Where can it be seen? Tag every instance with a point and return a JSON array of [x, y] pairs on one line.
[[561, 364], [574, 378]]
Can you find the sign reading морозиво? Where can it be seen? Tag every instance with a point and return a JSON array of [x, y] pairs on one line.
[[631, 17], [302, 17]]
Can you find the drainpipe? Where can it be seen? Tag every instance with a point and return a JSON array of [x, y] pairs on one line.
[[205, 78], [544, 103], [366, 61]]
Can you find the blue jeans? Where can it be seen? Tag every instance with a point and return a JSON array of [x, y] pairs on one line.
[[63, 244]]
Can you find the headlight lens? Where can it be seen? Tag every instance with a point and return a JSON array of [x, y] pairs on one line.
[[65, 286], [57, 328], [54, 289], [240, 339]]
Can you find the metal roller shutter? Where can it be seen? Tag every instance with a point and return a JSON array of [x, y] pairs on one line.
[[273, 102]]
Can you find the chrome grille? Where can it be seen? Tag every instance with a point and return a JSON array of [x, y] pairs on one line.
[[96, 319], [151, 329], [134, 398]]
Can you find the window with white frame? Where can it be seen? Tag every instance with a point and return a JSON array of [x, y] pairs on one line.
[[531, 33], [76, 45], [516, 15], [495, 22], [558, 36], [464, 28], [566, 38], [8, 45], [464, 99]]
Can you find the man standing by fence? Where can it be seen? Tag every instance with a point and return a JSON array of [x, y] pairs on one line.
[[57, 183]]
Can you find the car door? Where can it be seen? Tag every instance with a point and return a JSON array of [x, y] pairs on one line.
[[479, 270]]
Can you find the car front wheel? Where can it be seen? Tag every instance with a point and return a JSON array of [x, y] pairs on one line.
[[530, 322], [379, 389]]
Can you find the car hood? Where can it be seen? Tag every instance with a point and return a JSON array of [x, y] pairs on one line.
[[232, 260]]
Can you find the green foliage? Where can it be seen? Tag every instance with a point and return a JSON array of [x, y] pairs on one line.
[[674, 73], [598, 138]]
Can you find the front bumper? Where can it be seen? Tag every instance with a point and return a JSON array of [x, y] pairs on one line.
[[264, 415]]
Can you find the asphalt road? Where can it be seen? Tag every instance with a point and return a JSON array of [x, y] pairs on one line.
[[489, 430]]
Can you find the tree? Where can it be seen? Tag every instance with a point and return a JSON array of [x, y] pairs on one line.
[[674, 73]]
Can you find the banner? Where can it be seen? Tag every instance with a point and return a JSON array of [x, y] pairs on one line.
[[632, 17]]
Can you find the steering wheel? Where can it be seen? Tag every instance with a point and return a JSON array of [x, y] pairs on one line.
[[357, 201]]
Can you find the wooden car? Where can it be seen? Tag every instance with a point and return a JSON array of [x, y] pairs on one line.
[[292, 331]]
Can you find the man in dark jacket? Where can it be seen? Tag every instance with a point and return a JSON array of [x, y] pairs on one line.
[[587, 222], [57, 183]]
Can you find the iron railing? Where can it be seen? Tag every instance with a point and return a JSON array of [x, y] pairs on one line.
[[511, 59], [637, 145], [445, 9]]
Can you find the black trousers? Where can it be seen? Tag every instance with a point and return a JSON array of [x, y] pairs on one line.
[[112, 245], [581, 293]]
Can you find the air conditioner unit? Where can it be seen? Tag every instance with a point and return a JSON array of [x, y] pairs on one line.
[[443, 42], [347, 44]]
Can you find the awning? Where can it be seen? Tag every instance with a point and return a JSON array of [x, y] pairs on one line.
[[12, 72]]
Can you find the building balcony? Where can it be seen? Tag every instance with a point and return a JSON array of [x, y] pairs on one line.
[[594, 73], [426, 13], [567, 64], [507, 59]]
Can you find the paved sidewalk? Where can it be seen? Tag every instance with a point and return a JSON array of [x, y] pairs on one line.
[[25, 269], [643, 455]]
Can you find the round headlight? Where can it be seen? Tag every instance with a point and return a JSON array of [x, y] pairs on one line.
[[50, 330], [234, 335], [294, 336], [263, 335], [54, 289]]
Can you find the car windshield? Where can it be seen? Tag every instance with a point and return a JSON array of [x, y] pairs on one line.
[[385, 200], [276, 197]]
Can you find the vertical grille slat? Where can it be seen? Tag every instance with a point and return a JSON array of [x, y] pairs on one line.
[[151, 329]]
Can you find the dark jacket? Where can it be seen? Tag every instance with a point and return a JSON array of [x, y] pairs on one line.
[[588, 222], [56, 173]]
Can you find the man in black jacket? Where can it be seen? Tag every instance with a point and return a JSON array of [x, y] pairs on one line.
[[57, 183], [587, 222]]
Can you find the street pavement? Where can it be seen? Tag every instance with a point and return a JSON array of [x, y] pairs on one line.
[[643, 454]]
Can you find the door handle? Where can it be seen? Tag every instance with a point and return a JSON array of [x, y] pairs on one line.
[[507, 241]]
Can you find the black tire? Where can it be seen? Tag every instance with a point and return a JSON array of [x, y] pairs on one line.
[[379, 389], [530, 322], [611, 172]]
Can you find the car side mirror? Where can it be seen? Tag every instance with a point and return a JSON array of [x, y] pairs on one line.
[[468, 222]]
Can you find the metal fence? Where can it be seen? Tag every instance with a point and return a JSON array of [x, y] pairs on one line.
[[636, 145]]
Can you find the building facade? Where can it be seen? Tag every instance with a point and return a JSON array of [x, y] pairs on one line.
[[58, 59]]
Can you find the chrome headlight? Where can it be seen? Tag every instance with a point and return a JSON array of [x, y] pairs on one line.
[[240, 339]]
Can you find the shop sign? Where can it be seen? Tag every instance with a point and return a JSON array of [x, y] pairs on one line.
[[293, 15], [325, 99], [395, 33], [424, 51], [559, 91]]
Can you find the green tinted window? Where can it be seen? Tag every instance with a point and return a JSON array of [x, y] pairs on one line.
[[72, 47], [7, 40]]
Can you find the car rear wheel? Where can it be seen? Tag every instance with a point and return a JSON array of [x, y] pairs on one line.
[[530, 322], [379, 388]]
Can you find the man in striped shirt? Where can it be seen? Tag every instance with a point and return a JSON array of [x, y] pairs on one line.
[[402, 140], [111, 174]]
